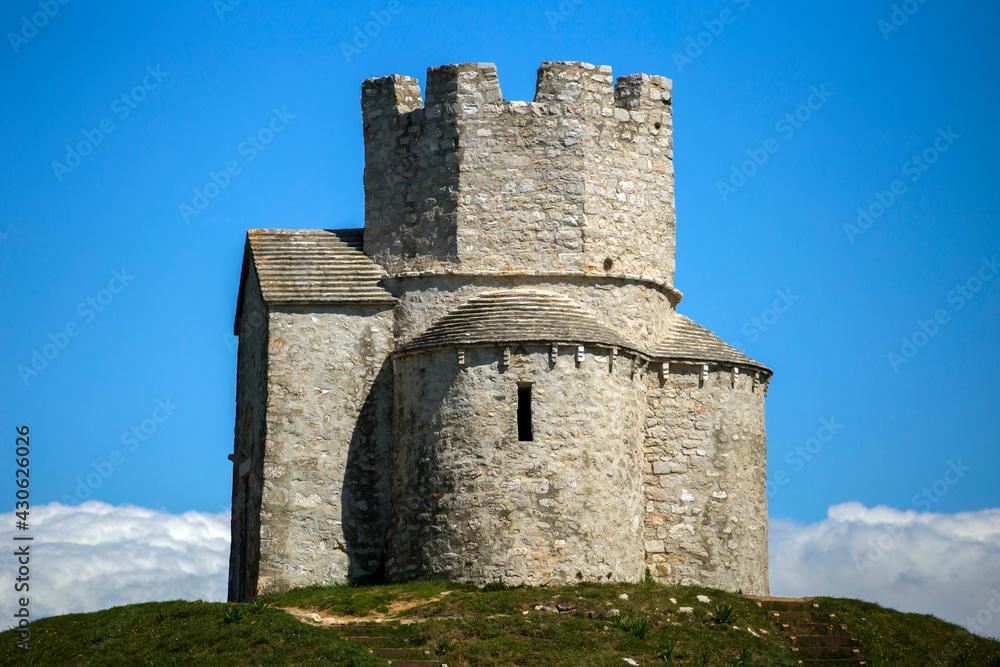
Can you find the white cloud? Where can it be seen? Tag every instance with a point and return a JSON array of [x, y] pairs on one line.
[[942, 564], [94, 556]]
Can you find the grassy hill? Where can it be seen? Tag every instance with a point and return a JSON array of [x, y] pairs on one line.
[[464, 625]]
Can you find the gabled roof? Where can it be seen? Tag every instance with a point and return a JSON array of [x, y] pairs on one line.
[[518, 316], [312, 266], [688, 341]]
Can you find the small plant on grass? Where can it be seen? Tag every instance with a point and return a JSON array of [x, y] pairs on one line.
[[97, 638], [495, 586], [701, 660], [258, 605], [443, 645], [724, 614], [964, 656], [993, 661], [231, 615], [162, 616], [638, 626], [668, 655]]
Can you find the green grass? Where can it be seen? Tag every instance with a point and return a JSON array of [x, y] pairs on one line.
[[181, 633], [463, 625]]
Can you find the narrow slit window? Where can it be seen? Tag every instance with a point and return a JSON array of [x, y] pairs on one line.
[[524, 413]]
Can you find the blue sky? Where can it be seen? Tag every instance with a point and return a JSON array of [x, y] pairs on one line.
[[162, 97]]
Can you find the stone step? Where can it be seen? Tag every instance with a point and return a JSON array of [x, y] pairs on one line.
[[853, 652], [824, 640], [361, 628], [417, 663], [398, 652], [805, 616], [807, 628], [788, 605], [367, 640]]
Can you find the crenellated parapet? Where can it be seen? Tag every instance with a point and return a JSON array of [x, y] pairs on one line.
[[580, 179]]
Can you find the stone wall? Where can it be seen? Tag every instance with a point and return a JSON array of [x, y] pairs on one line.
[[705, 474], [248, 449], [579, 179], [473, 503], [411, 174], [640, 311], [329, 433]]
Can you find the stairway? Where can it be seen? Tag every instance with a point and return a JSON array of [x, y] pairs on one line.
[[381, 639], [816, 639]]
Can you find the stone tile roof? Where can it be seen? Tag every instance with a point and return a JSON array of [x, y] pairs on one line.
[[688, 341], [326, 266], [518, 316]]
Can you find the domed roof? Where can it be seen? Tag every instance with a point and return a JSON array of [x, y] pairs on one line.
[[518, 316]]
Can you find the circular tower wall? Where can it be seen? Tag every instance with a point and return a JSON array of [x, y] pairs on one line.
[[706, 471], [475, 501]]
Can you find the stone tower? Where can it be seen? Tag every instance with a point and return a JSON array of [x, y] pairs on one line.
[[490, 382]]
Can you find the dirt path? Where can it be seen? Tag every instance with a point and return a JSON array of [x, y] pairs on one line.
[[321, 618]]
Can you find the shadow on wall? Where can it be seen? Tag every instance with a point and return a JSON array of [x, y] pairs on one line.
[[365, 493], [423, 434]]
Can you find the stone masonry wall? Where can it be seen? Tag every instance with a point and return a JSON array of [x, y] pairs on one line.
[[474, 181], [411, 174], [636, 309], [472, 503], [251, 402], [705, 474], [329, 433]]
